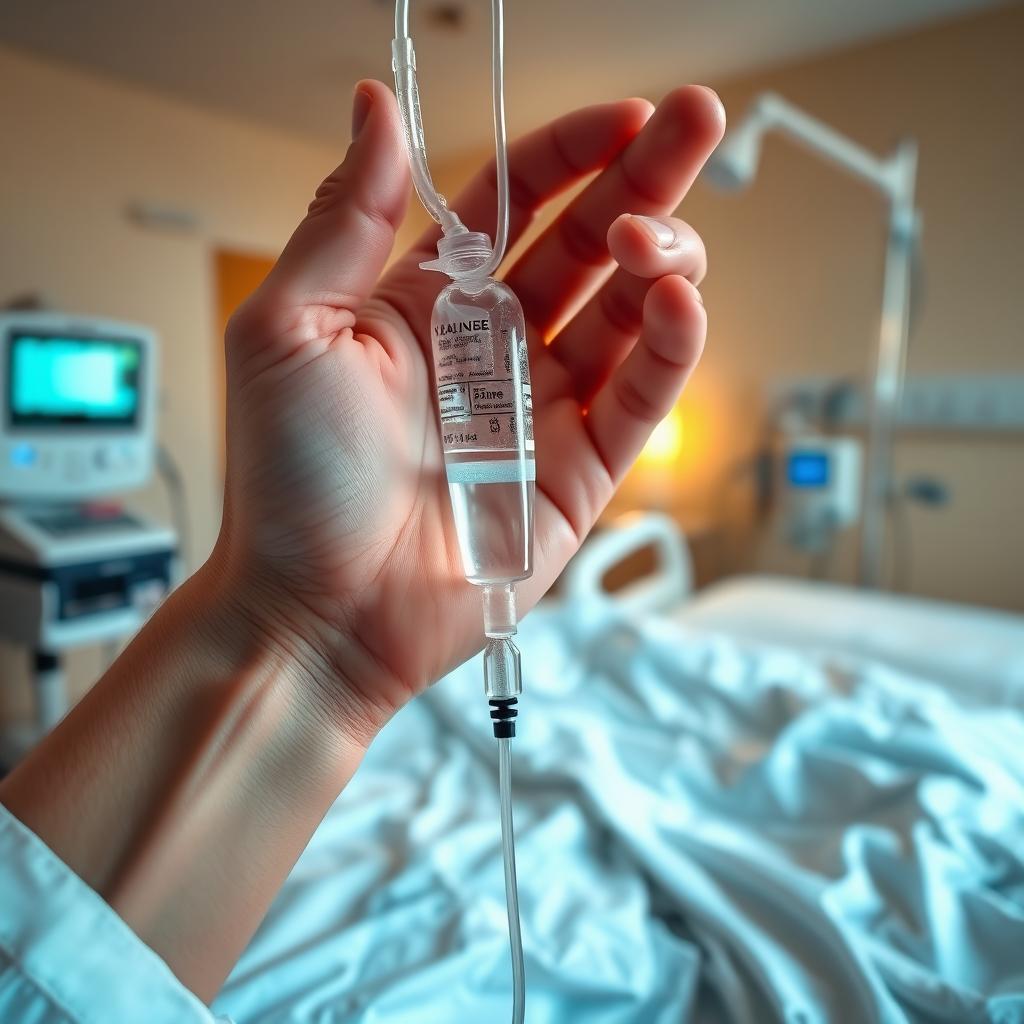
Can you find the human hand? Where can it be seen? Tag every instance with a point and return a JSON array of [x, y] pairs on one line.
[[337, 533]]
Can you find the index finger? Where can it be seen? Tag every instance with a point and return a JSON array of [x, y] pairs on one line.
[[545, 162], [542, 164]]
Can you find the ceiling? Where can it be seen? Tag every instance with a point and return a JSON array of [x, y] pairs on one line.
[[292, 64]]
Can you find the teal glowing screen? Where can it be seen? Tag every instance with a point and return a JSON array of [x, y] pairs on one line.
[[62, 381]]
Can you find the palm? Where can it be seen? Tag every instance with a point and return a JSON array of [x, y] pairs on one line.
[[362, 502], [335, 470]]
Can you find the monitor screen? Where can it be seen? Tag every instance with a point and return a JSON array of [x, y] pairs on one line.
[[807, 469], [60, 381]]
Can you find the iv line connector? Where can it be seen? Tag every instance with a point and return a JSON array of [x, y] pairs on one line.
[[503, 717]]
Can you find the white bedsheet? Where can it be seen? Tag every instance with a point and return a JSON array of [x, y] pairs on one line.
[[708, 830], [975, 652]]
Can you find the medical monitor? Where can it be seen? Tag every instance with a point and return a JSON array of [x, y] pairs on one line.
[[77, 395], [807, 468]]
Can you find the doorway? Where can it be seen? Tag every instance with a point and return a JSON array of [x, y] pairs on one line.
[[236, 276]]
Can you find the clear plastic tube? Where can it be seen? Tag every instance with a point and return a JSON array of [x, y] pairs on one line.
[[500, 141], [508, 850], [485, 490], [403, 59]]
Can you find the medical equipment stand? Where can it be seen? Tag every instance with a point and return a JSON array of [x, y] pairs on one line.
[[891, 364], [71, 577], [49, 705], [733, 166]]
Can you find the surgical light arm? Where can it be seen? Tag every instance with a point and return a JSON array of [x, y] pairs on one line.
[[734, 165]]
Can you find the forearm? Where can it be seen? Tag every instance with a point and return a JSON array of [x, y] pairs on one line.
[[186, 783]]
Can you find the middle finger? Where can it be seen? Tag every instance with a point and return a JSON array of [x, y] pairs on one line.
[[650, 176]]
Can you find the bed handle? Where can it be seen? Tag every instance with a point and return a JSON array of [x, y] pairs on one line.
[[664, 589]]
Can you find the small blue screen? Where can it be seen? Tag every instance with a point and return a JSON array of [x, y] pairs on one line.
[[60, 381], [807, 469]]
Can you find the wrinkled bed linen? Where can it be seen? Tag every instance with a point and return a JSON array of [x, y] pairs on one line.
[[707, 830]]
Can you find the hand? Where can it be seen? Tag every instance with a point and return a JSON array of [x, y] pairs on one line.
[[337, 528], [335, 590]]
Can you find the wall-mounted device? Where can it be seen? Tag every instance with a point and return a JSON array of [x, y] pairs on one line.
[[820, 485], [77, 424]]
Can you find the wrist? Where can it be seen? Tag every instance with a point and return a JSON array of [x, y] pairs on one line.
[[249, 613], [188, 780], [237, 740]]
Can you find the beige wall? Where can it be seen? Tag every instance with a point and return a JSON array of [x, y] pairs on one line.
[[795, 278], [77, 150], [796, 266]]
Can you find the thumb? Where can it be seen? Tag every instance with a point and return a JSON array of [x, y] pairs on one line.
[[338, 251]]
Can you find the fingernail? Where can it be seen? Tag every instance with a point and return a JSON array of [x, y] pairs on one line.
[[661, 234], [714, 97], [361, 103]]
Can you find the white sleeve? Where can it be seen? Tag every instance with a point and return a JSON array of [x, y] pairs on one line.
[[65, 955]]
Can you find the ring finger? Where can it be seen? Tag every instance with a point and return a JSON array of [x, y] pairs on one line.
[[604, 331]]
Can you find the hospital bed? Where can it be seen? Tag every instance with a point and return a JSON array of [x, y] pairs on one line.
[[974, 650], [771, 800]]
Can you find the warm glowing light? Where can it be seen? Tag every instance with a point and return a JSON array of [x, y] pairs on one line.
[[679, 469], [665, 444]]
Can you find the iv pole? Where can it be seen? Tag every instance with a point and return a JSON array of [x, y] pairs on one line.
[[891, 364], [733, 166]]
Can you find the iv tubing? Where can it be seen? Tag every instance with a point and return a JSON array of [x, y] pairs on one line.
[[511, 891], [404, 63], [503, 684], [502, 673]]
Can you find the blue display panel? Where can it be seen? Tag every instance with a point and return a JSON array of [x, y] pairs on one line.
[[61, 381], [807, 469]]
